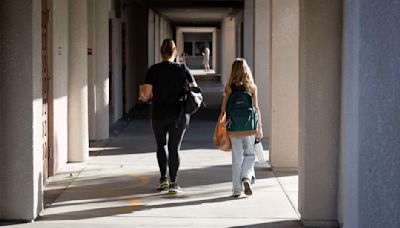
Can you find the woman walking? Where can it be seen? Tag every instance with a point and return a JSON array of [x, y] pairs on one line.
[[165, 82], [240, 103], [206, 59]]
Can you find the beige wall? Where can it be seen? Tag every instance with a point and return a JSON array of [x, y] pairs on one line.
[[284, 84], [137, 51]]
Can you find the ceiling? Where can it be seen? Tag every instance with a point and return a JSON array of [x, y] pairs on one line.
[[195, 12]]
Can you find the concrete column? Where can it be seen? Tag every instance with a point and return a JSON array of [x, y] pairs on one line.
[[101, 58], [219, 50], [284, 84], [370, 114], [91, 71], [157, 43], [162, 29], [214, 48], [262, 59], [78, 145], [116, 69], [179, 41], [228, 47], [319, 110], [21, 151], [60, 18], [248, 32], [151, 46]]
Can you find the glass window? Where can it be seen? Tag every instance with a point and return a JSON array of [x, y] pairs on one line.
[[188, 48], [199, 48]]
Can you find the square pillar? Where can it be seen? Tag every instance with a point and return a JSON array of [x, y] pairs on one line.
[[319, 111], [284, 84], [370, 114], [150, 45], [21, 153], [262, 59], [78, 132]]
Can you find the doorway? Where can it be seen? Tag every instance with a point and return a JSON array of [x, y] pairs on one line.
[[48, 159]]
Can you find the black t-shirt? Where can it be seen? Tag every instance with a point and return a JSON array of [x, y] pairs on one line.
[[168, 80]]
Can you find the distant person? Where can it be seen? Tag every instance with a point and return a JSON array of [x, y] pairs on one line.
[[240, 104], [165, 82], [206, 59]]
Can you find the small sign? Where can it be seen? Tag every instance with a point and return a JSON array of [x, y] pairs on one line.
[[90, 51]]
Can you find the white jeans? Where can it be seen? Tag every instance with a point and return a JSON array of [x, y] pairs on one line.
[[243, 158]]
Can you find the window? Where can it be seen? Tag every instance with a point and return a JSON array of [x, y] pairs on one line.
[[199, 48], [188, 48]]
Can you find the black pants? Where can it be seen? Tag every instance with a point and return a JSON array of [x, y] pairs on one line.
[[161, 129]]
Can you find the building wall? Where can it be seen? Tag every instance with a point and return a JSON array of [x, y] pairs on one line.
[[370, 116], [21, 153], [138, 39]]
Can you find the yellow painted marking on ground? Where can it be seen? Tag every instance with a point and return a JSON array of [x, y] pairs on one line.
[[111, 192]]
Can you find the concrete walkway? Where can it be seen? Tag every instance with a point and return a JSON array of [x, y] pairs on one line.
[[116, 188]]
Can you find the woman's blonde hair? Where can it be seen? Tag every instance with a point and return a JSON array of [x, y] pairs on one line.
[[168, 49], [241, 75]]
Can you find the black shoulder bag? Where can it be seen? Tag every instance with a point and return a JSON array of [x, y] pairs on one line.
[[192, 99]]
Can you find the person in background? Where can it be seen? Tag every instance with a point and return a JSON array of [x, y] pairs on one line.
[[206, 59], [165, 84]]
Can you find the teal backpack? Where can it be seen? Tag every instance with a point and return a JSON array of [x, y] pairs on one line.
[[240, 112]]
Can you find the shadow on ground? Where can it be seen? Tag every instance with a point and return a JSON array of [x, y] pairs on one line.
[[280, 224]]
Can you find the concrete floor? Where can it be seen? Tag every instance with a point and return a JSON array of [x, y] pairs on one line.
[[116, 188]]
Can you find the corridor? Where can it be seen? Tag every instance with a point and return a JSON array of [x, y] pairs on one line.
[[327, 75], [117, 186]]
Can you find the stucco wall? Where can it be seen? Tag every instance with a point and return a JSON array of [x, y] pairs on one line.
[[21, 152], [137, 62], [371, 106]]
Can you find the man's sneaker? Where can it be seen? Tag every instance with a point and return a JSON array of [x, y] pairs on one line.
[[247, 187], [163, 185], [236, 194], [174, 188]]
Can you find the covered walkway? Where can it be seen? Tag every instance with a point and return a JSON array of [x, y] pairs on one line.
[[117, 186], [327, 74]]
